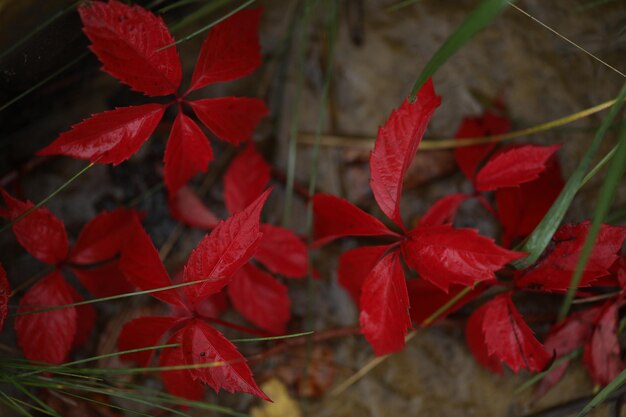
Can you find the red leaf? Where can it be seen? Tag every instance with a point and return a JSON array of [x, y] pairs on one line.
[[336, 217], [144, 332], [230, 51], [354, 267], [85, 320], [444, 210], [260, 299], [179, 382], [229, 246], [141, 265], [514, 166], [395, 148], [602, 351], [188, 152], [554, 271], [5, 292], [564, 338], [213, 306], [385, 306], [47, 337], [41, 233], [103, 237], [240, 187], [128, 40], [103, 280], [444, 255], [520, 209], [202, 345], [109, 137], [282, 252], [232, 119], [427, 298], [508, 337], [186, 207], [475, 337], [469, 157]]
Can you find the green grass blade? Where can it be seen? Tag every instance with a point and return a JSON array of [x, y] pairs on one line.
[[198, 14], [540, 237], [476, 21], [603, 204], [263, 339], [13, 404], [538, 377], [604, 394]]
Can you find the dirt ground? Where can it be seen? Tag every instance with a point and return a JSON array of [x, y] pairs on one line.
[[378, 55]]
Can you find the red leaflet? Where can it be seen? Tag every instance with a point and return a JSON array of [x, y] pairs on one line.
[[229, 246], [282, 252], [142, 266], [475, 338], [427, 298], [514, 166], [384, 306], [55, 330], [469, 157], [444, 210], [602, 351], [563, 339], [203, 345], [260, 299], [188, 152], [554, 271], [520, 209], [245, 179], [335, 218], [85, 319], [230, 51], [41, 233], [232, 119], [354, 267], [128, 40], [179, 382], [110, 137], [445, 256], [103, 237], [5, 292], [186, 207], [396, 146], [507, 337], [144, 332]]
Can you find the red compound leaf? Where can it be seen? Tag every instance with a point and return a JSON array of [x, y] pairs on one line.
[[188, 152], [426, 299], [445, 256], [354, 267], [514, 166], [245, 179], [41, 233], [395, 148], [232, 119], [385, 306], [186, 207], [444, 210], [554, 271], [104, 236], [85, 320], [336, 218], [229, 246], [202, 344], [469, 157], [178, 382], [5, 292], [602, 350], [129, 41], [141, 265], [144, 332], [110, 137], [506, 337], [230, 51], [260, 299], [520, 209], [103, 280], [282, 252], [47, 336]]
